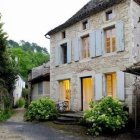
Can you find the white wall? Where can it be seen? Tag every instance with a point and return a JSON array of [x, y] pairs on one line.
[[17, 93]]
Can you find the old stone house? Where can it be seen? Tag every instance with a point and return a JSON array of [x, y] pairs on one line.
[[39, 81], [89, 52]]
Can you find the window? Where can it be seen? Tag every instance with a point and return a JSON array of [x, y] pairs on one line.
[[63, 34], [40, 88], [110, 39], [85, 47], [111, 84], [109, 15], [85, 25], [64, 53]]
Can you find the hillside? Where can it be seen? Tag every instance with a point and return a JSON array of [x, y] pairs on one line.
[[27, 55]]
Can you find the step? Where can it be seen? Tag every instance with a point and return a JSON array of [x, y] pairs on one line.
[[66, 121], [72, 115]]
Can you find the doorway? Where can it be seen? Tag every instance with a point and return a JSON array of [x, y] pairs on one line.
[[64, 95], [87, 92]]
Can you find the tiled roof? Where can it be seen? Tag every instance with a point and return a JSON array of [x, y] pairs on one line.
[[92, 7]]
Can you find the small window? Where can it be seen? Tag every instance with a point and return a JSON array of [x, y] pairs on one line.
[[64, 53], [85, 25], [111, 84], [110, 39], [85, 47], [109, 15], [40, 88], [63, 34]]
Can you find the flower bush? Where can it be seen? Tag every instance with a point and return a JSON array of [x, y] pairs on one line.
[[41, 109], [106, 115]]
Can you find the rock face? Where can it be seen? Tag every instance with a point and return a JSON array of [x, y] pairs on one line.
[[102, 64]]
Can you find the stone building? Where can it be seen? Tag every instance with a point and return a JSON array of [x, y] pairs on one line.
[[39, 81], [89, 52]]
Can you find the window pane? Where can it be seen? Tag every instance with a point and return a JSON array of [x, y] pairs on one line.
[[85, 47], [111, 84], [108, 41], [113, 40], [40, 88]]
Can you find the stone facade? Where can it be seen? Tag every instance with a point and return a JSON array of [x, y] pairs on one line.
[[45, 90], [90, 67], [39, 82]]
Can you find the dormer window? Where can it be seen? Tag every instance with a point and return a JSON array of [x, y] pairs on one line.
[[109, 15], [63, 34], [85, 24]]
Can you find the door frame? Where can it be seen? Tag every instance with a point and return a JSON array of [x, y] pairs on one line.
[[82, 98]]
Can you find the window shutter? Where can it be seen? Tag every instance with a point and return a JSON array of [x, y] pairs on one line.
[[92, 43], [57, 54], [120, 36], [120, 85], [69, 52], [76, 49], [99, 42], [98, 87]]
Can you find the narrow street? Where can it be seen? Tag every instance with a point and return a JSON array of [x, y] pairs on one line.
[[16, 129]]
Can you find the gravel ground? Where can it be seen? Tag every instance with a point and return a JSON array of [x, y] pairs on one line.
[[16, 129]]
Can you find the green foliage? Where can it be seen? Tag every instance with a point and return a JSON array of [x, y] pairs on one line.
[[106, 115], [26, 56], [5, 114], [8, 68], [20, 103], [25, 93], [41, 109]]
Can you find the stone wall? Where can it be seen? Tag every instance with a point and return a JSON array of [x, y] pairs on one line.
[[46, 90], [106, 63], [135, 26]]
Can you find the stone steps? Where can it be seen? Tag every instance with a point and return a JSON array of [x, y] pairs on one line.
[[69, 118]]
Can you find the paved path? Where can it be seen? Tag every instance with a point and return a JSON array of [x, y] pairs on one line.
[[16, 129]]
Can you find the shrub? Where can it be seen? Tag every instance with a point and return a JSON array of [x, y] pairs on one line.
[[5, 114], [20, 102], [41, 109], [25, 93], [106, 115]]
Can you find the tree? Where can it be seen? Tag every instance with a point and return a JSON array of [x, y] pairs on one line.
[[27, 58], [8, 70]]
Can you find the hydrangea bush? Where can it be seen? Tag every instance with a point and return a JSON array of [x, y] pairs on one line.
[[41, 109], [105, 115]]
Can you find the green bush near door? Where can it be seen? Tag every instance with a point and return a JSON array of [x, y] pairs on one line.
[[41, 110], [106, 115]]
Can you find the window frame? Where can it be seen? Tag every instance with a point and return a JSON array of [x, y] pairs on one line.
[[64, 55], [112, 48], [84, 48], [107, 15], [63, 34], [85, 24]]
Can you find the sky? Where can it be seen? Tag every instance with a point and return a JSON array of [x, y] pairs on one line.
[[30, 20]]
